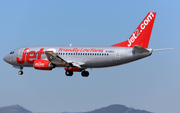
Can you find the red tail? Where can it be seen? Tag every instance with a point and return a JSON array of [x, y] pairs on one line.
[[142, 34]]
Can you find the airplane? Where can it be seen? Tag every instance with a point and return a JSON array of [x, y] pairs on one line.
[[78, 59]]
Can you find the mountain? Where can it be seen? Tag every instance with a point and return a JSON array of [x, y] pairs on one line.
[[115, 109], [14, 109], [109, 109]]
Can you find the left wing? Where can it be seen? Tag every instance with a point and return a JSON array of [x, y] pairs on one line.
[[55, 59]]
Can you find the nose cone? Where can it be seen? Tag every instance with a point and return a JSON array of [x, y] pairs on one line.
[[7, 59]]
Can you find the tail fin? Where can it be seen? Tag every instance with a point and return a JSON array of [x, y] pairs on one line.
[[142, 34]]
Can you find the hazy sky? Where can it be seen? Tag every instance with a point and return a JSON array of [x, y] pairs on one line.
[[152, 83]]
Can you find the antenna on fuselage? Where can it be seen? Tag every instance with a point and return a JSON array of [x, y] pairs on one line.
[[70, 44]]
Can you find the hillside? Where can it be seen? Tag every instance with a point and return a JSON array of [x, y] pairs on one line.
[[14, 109], [108, 109], [116, 109]]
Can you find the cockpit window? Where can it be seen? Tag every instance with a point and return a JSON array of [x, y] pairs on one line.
[[11, 52]]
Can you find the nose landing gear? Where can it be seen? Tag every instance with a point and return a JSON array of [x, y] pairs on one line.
[[20, 72]]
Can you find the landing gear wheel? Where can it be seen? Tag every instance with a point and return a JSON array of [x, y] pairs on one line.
[[69, 73], [85, 73], [20, 72]]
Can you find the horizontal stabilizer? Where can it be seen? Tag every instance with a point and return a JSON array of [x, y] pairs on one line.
[[139, 49], [163, 49]]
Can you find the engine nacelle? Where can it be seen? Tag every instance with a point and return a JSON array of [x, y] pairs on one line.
[[73, 69], [43, 65]]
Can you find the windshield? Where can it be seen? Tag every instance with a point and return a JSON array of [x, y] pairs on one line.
[[11, 52]]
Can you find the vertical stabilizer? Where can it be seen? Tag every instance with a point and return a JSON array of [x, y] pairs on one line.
[[142, 34]]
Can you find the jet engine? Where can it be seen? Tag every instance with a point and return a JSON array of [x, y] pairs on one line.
[[43, 65]]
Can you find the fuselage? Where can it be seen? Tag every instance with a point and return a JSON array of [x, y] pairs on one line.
[[87, 57], [78, 59]]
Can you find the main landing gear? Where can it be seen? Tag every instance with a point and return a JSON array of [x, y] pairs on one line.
[[69, 73], [83, 73]]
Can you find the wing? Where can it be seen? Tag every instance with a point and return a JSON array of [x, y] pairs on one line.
[[57, 60]]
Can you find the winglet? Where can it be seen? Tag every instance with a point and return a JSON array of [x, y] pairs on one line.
[[142, 34]]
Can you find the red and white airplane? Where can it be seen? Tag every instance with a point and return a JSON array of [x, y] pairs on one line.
[[78, 59]]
